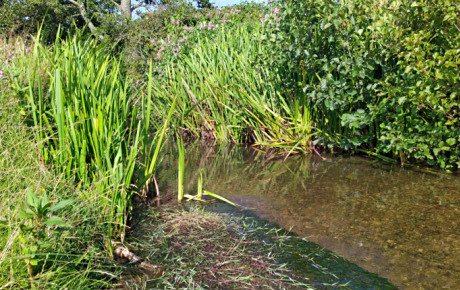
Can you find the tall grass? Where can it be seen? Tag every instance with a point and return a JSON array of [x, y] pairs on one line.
[[90, 121], [87, 127], [223, 94], [181, 169], [75, 258]]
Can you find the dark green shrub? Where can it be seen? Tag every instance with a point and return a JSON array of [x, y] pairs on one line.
[[380, 76]]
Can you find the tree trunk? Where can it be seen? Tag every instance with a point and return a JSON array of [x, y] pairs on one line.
[[125, 9]]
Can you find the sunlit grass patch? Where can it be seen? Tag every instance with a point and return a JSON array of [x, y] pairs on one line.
[[205, 250]]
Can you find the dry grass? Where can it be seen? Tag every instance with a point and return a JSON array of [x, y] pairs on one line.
[[205, 250]]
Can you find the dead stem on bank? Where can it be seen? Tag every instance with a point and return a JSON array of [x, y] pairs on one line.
[[204, 250]]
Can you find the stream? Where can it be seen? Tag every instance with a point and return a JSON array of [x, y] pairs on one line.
[[402, 224]]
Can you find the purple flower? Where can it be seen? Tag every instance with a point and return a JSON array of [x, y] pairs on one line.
[[1, 74], [137, 83]]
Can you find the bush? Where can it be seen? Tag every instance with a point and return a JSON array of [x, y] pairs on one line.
[[382, 77]]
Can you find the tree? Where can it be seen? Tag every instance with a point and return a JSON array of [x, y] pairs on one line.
[[125, 7], [19, 16], [204, 4], [23, 17]]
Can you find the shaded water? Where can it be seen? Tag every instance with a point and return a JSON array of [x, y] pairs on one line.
[[401, 224]]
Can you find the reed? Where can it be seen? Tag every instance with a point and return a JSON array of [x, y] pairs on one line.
[[91, 123], [223, 94], [181, 169]]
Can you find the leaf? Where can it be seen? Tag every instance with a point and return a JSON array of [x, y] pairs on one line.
[[44, 200], [32, 199], [33, 262], [61, 204], [26, 212], [220, 197], [56, 221], [25, 229], [451, 141], [43, 245]]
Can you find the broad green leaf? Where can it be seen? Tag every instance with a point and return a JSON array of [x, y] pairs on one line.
[[26, 212], [44, 200], [56, 221], [32, 199], [61, 204]]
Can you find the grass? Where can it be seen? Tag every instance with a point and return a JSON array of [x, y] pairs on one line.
[[76, 258], [73, 127], [204, 250], [222, 94]]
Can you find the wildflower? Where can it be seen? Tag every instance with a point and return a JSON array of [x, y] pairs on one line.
[[137, 83], [1, 74]]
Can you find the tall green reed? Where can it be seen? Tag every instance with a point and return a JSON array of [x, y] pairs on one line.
[[224, 94], [91, 121], [181, 169]]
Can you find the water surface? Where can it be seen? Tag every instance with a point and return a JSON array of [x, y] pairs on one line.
[[402, 224]]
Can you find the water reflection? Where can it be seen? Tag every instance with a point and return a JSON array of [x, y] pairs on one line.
[[401, 224]]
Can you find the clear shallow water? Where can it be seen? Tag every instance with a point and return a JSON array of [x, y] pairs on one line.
[[399, 223]]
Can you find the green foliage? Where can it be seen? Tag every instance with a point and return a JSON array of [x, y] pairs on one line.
[[181, 169], [204, 4], [223, 94], [66, 262], [35, 233], [91, 124], [24, 17], [169, 31], [381, 76]]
